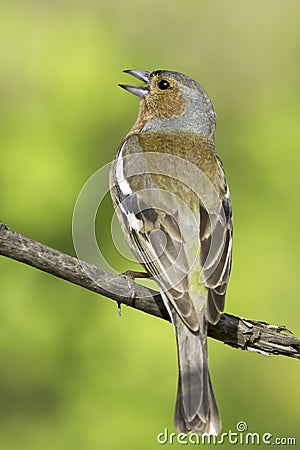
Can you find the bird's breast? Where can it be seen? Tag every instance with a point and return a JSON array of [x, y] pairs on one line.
[[173, 174]]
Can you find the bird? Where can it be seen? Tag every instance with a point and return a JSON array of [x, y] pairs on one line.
[[172, 200]]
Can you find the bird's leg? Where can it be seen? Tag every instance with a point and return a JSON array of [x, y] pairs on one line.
[[134, 274], [131, 275]]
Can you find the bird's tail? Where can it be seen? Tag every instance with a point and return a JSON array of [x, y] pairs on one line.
[[196, 409]]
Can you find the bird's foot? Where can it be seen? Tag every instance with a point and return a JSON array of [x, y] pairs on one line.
[[131, 275]]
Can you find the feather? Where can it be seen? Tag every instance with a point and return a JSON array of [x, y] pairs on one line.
[[191, 264]]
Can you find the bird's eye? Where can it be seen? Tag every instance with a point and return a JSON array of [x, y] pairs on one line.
[[163, 85]]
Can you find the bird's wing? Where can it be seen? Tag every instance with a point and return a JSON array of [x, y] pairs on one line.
[[158, 244], [216, 255], [152, 223]]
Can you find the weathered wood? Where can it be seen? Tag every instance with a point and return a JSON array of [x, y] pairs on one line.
[[240, 333]]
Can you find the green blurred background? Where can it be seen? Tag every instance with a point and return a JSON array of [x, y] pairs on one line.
[[73, 374]]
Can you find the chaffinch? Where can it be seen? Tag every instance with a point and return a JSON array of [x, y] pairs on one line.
[[173, 203]]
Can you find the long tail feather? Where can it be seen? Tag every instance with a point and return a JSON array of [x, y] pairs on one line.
[[196, 409]]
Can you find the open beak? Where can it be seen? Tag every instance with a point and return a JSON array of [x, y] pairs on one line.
[[140, 91]]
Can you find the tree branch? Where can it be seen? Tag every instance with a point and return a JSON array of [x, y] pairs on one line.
[[234, 331]]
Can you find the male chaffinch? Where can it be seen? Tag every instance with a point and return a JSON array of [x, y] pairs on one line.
[[172, 200]]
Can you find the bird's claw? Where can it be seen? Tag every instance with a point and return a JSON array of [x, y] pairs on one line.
[[131, 275]]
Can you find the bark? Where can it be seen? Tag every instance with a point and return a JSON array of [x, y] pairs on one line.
[[237, 332]]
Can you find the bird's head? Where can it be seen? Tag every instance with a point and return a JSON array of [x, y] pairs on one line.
[[172, 101]]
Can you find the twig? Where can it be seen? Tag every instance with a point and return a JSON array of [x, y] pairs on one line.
[[240, 333]]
